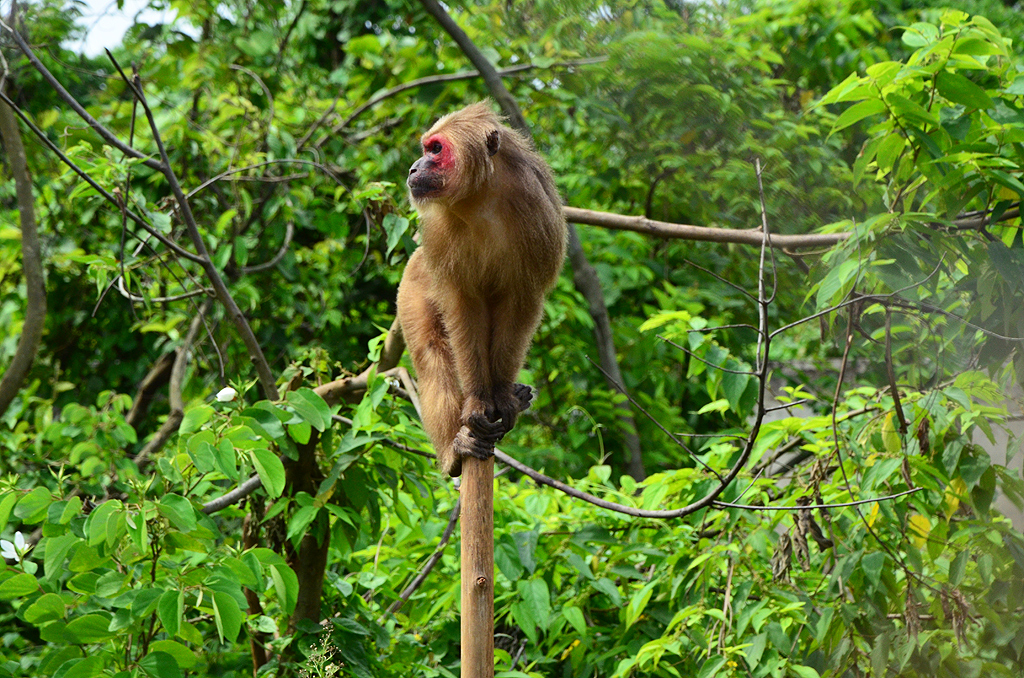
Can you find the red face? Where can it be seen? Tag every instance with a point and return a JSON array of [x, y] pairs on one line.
[[427, 176]]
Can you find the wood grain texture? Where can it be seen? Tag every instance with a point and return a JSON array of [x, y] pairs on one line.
[[477, 525]]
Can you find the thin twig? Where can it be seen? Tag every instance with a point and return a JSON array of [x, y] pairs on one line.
[[751, 507], [266, 377], [288, 233], [435, 557], [41, 135]]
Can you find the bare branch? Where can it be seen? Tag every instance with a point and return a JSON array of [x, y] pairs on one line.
[[109, 197], [66, 96], [288, 233], [233, 497], [752, 507], [419, 82], [266, 377], [663, 229], [31, 262], [435, 557]]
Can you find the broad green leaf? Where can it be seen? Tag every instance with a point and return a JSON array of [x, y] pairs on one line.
[[395, 227], [32, 507], [6, 505], [17, 586], [227, 616], [92, 628], [574, 616], [194, 418], [960, 90], [300, 520], [160, 665], [179, 511], [638, 603], [171, 610], [286, 584], [185, 657], [55, 550], [536, 597], [89, 667], [49, 607], [270, 469], [858, 112], [310, 407]]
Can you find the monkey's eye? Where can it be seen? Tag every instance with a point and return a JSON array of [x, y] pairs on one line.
[[435, 147]]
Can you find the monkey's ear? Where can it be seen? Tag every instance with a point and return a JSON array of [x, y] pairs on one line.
[[493, 142]]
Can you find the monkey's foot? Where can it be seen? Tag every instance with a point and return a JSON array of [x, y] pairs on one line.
[[524, 394], [508, 404], [468, 444]]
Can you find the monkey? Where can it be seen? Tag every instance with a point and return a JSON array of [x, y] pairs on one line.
[[492, 243]]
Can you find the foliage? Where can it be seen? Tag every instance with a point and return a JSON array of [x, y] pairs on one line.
[[902, 128]]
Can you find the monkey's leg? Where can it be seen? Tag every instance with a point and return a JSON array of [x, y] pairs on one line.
[[468, 321], [514, 323], [431, 352], [441, 403]]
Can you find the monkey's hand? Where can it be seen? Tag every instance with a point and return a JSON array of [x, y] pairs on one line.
[[468, 444]]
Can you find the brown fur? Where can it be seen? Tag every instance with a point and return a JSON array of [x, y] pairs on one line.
[[493, 239]]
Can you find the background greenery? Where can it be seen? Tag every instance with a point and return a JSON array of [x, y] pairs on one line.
[[894, 122]]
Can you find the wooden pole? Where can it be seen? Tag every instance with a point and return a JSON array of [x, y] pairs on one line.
[[477, 525]]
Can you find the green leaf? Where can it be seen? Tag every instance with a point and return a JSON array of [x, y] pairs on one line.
[[395, 227], [179, 511], [185, 657], [902, 106], [310, 407], [49, 607], [960, 90], [872, 565], [160, 665], [171, 610], [858, 112], [90, 667], [957, 568], [804, 671], [638, 603], [92, 628], [32, 507], [194, 418], [711, 666], [537, 599], [733, 385], [55, 550], [6, 505], [300, 520], [286, 584], [270, 469], [574, 616], [227, 616], [99, 527], [17, 586], [607, 587]]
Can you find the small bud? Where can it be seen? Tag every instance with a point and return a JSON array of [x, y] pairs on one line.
[[226, 394]]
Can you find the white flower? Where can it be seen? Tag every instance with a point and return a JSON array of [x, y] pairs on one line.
[[13, 551], [226, 394]]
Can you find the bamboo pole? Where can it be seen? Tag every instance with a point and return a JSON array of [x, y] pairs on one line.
[[477, 525]]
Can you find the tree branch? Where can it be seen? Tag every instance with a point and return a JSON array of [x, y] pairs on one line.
[[664, 229], [32, 264], [435, 557], [268, 383]]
